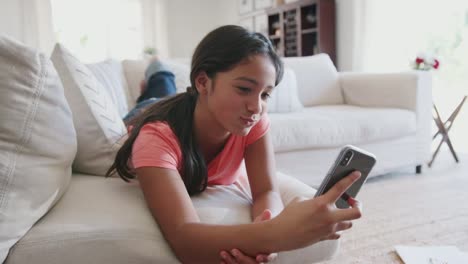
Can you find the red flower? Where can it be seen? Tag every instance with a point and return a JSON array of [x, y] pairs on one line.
[[436, 64], [419, 60]]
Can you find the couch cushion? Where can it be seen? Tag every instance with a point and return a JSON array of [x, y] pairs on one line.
[[317, 80], [103, 220], [97, 121], [337, 125], [37, 142], [110, 74], [135, 72], [284, 97]]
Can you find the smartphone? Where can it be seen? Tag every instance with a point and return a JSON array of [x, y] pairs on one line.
[[349, 159]]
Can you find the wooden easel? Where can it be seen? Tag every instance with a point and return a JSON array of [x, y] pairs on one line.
[[444, 128]]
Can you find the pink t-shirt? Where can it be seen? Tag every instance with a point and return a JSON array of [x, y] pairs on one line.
[[157, 146]]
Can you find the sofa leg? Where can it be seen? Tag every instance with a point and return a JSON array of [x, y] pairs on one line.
[[418, 169]]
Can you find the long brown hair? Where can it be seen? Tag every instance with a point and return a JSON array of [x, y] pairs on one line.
[[221, 50]]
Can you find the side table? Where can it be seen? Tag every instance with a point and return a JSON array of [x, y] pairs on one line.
[[444, 128]]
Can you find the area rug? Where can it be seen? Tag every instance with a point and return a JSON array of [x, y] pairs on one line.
[[407, 209]]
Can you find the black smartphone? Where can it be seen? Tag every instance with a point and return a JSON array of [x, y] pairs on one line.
[[349, 159]]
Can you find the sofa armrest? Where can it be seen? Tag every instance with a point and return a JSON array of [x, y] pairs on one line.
[[406, 90]]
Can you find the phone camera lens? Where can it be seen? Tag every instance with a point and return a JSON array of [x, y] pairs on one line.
[[347, 157]]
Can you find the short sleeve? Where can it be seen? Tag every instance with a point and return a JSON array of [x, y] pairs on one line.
[[259, 130], [156, 146]]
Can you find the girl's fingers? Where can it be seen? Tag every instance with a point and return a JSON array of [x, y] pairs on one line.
[[333, 236], [261, 258], [354, 203], [266, 258], [227, 258], [241, 258], [265, 215], [343, 225], [340, 187], [347, 214]]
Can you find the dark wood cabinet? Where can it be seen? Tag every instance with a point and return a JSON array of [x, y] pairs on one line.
[[303, 28]]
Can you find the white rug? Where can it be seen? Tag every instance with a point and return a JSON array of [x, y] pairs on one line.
[[430, 209]]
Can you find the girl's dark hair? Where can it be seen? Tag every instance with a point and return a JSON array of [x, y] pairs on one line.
[[221, 50]]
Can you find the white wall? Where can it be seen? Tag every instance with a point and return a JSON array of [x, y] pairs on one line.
[[178, 25], [28, 21], [189, 21], [10, 19], [155, 26]]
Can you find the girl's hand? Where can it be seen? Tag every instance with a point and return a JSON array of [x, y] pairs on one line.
[[236, 256], [306, 221]]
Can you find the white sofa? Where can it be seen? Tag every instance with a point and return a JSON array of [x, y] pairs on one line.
[[53, 215], [388, 114]]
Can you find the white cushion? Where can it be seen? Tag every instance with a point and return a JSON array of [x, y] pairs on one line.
[[37, 142], [107, 221], [97, 121], [182, 74], [317, 79], [284, 97], [337, 125], [135, 72], [110, 74]]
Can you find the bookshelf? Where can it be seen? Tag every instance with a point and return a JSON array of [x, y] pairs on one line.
[[303, 28]]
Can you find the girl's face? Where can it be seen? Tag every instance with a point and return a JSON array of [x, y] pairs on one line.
[[237, 99]]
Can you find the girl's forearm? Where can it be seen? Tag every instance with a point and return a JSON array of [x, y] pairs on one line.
[[268, 200], [202, 243]]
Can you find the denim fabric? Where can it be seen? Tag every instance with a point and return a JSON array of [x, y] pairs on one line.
[[155, 67], [139, 108], [160, 84]]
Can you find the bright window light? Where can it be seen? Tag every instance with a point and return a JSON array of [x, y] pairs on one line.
[[95, 30]]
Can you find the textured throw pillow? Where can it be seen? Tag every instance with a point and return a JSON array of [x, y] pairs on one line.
[[284, 97], [98, 124], [37, 142], [110, 74]]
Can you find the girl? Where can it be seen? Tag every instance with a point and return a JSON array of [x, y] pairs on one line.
[[201, 137]]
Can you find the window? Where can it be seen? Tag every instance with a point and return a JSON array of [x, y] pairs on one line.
[[97, 30], [401, 29]]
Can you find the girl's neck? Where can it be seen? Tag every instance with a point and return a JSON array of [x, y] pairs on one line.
[[210, 135]]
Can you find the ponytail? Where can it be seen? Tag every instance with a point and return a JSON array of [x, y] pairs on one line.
[[177, 111]]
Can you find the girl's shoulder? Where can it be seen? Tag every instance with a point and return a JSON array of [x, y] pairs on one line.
[[158, 126], [156, 146], [159, 130]]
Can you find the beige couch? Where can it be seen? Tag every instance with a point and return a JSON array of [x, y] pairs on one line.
[[60, 129]]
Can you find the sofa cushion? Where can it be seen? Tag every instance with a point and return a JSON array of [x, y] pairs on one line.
[[97, 121], [181, 70], [135, 72], [284, 97], [103, 220], [317, 80], [110, 74], [37, 142], [337, 125]]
